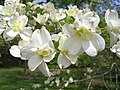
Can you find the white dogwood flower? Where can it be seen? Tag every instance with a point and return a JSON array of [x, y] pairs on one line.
[[90, 20], [7, 10], [81, 38], [48, 7], [15, 49], [65, 59], [113, 25], [17, 26], [72, 10], [39, 51], [41, 19], [116, 49], [12, 0], [57, 15]]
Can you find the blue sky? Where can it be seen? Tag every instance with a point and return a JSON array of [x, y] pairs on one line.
[[39, 0]]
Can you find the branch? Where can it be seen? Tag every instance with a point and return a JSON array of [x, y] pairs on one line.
[[92, 77], [105, 83], [89, 85]]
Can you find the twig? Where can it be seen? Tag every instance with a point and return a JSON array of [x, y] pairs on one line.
[[105, 83], [89, 85]]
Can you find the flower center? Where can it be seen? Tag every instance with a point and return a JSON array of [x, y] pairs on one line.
[[82, 32], [17, 26], [45, 51]]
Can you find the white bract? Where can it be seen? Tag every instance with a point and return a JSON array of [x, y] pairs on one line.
[[15, 49], [82, 38], [10, 8], [41, 19], [90, 20], [72, 10], [113, 25], [17, 26], [116, 49], [12, 1], [56, 15], [65, 59], [39, 51], [7, 10], [48, 7]]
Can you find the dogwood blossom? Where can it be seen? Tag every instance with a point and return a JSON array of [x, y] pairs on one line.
[[17, 26], [39, 51], [48, 7], [12, 0], [116, 49], [72, 10], [83, 37], [90, 20], [15, 49], [113, 25], [7, 10], [57, 15], [65, 59], [41, 19]]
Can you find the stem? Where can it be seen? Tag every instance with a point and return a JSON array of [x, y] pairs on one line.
[[89, 85], [25, 67], [105, 83]]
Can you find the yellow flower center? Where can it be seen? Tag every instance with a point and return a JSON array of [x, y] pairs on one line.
[[83, 32], [17, 27], [46, 51]]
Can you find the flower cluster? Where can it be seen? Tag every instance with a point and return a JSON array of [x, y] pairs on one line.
[[36, 26]]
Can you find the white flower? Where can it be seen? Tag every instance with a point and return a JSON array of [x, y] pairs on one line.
[[65, 58], [57, 81], [72, 10], [41, 19], [17, 26], [71, 80], [89, 70], [90, 20], [66, 84], [116, 49], [15, 49], [36, 86], [48, 7], [113, 25], [82, 39], [39, 51], [12, 0], [57, 15], [10, 8], [7, 10]]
